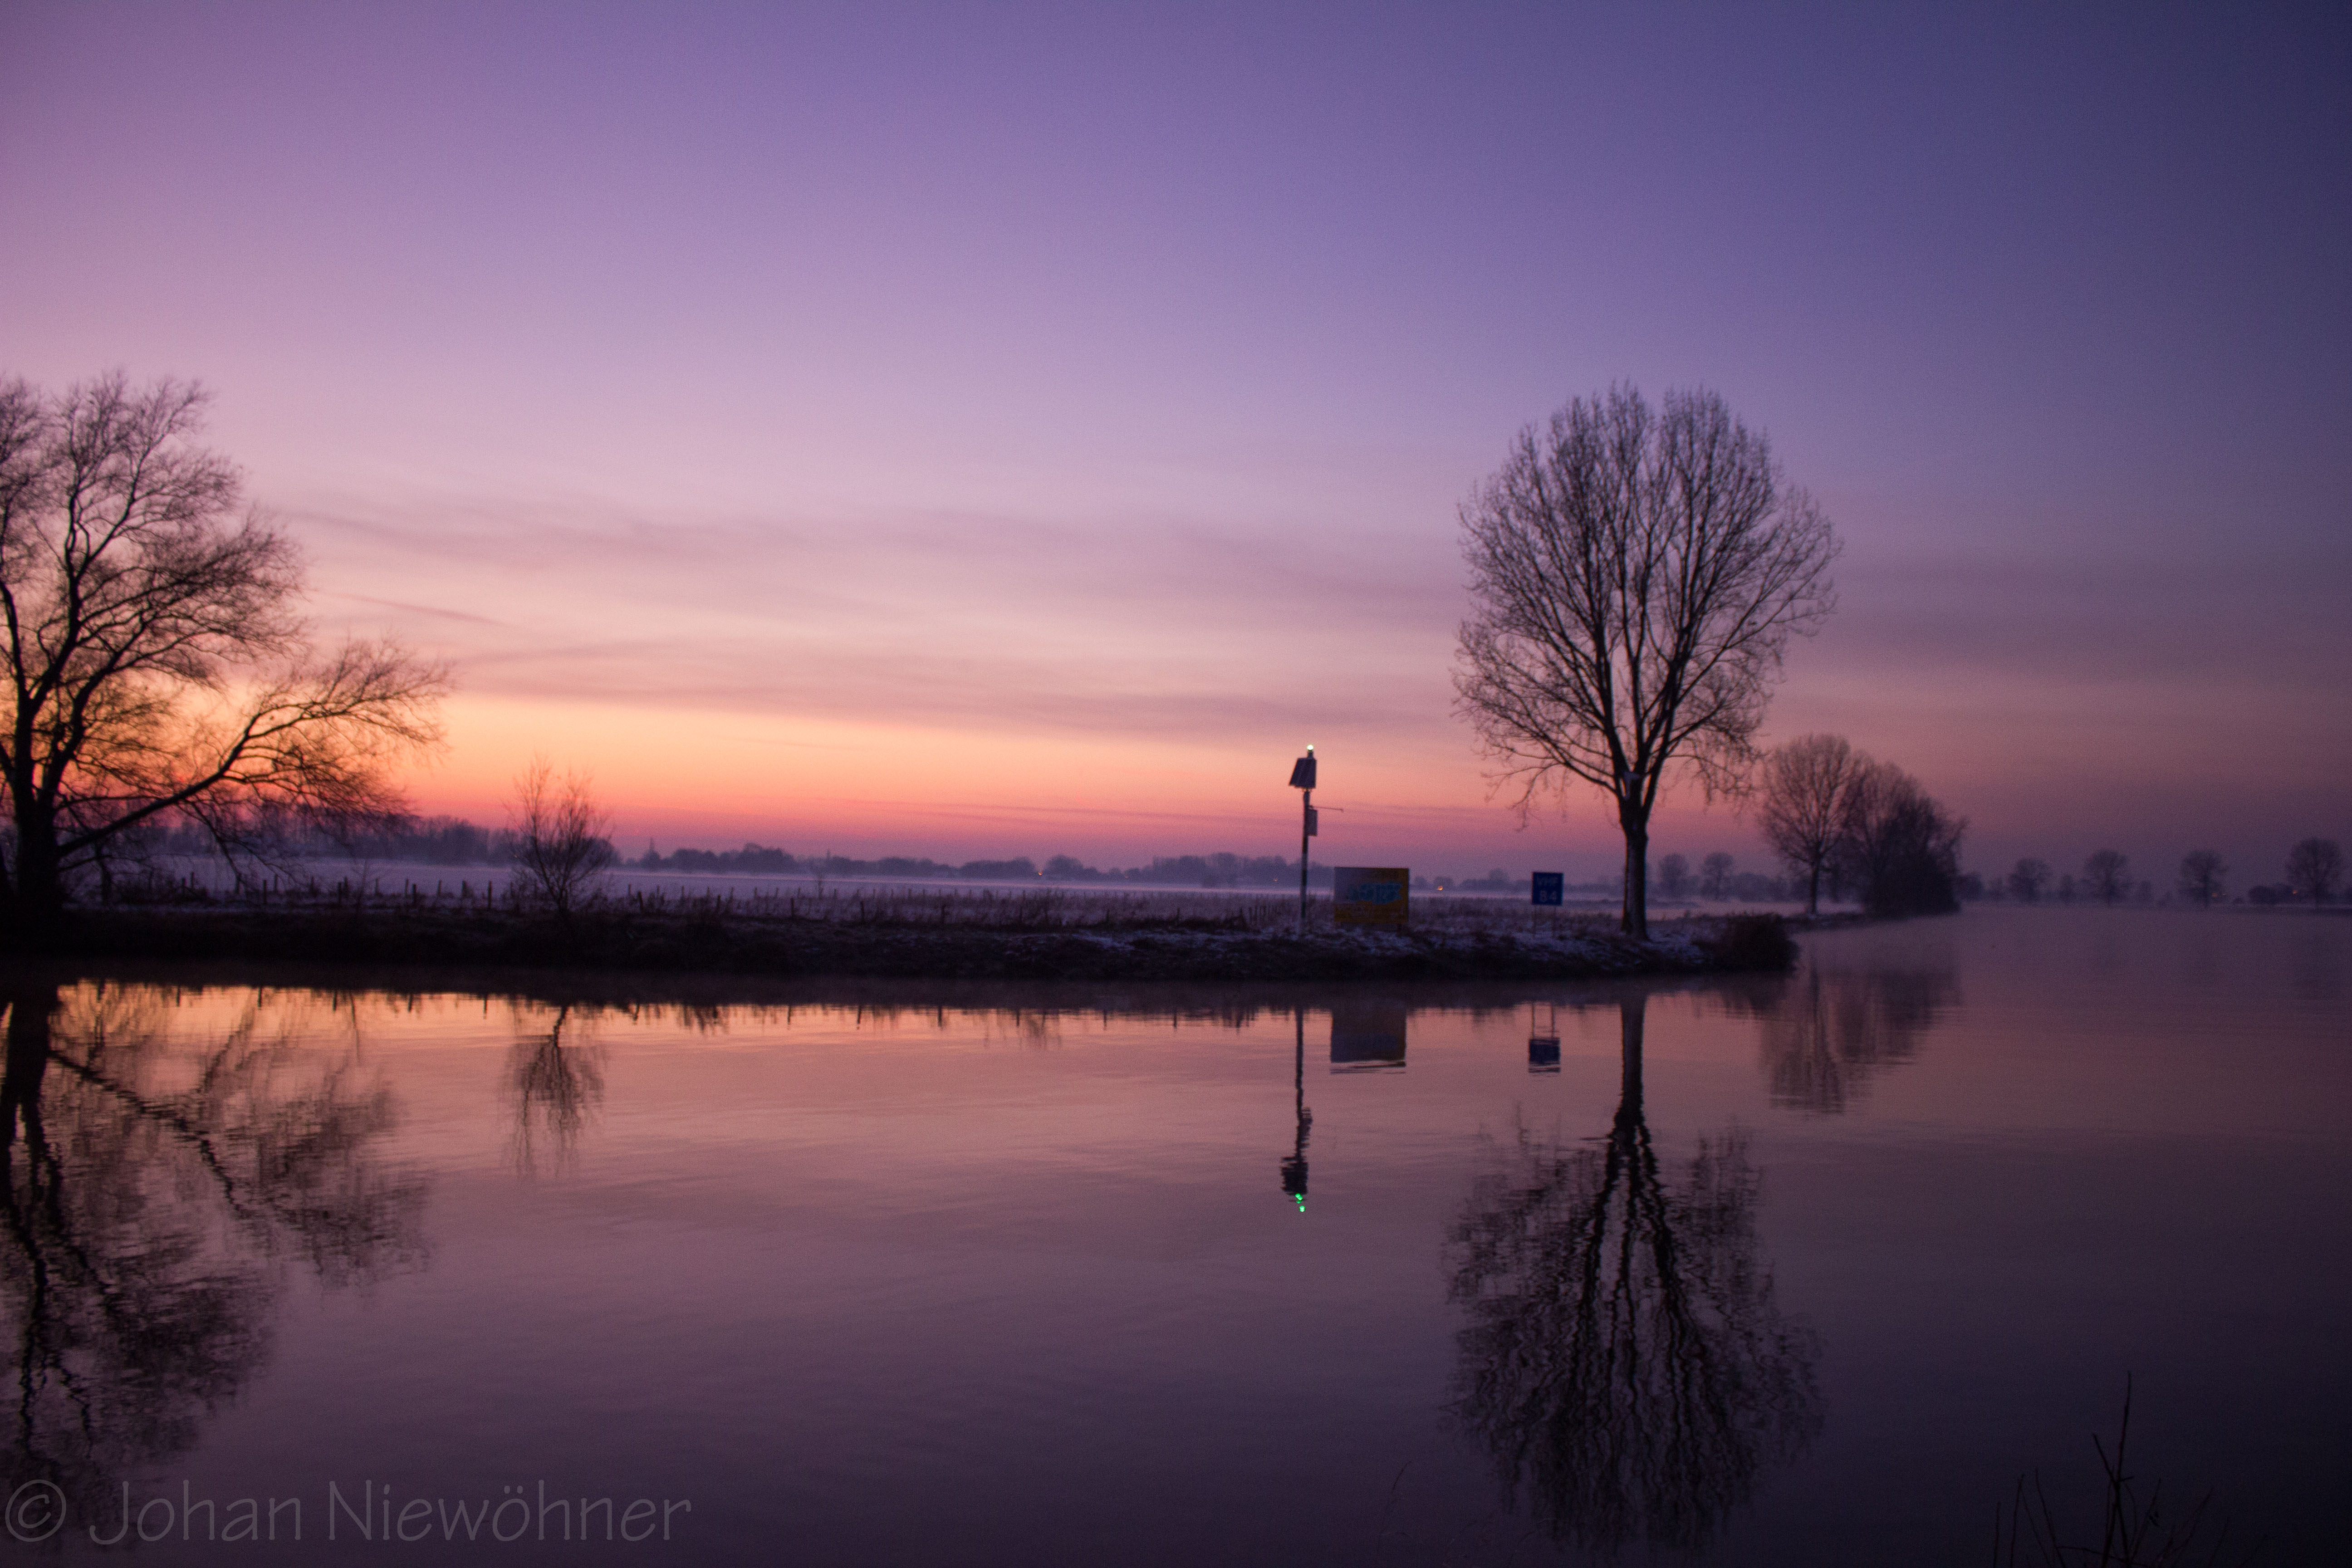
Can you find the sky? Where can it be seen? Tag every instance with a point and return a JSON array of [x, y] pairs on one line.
[[977, 431]]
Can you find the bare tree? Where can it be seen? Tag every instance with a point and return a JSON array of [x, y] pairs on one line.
[[1715, 876], [1673, 876], [2107, 875], [2027, 878], [562, 841], [1801, 804], [155, 660], [2201, 876], [1899, 843], [2314, 868], [1635, 577]]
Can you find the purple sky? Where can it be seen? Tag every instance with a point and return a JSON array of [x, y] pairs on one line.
[[980, 431]]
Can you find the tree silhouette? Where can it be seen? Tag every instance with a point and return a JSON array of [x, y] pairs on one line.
[[2201, 876], [2107, 875], [154, 663], [153, 1199], [2314, 866], [1800, 805], [1624, 1361], [556, 1089], [1825, 1032], [1635, 576]]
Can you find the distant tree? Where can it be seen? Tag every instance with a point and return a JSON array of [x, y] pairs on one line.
[[1673, 876], [152, 656], [2314, 868], [2027, 878], [1903, 846], [2202, 877], [1800, 805], [2107, 876], [2066, 887], [1715, 876], [1635, 575], [562, 849]]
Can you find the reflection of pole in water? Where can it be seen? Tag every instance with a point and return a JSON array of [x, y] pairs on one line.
[[1293, 1165]]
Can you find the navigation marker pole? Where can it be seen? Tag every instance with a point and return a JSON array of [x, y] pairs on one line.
[[1302, 778]]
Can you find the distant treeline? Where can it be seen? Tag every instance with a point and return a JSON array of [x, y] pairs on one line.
[[422, 840], [2314, 871], [1220, 870], [454, 841]]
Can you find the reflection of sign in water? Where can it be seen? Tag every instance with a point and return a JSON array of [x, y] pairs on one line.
[[1550, 887], [1543, 1039], [1369, 895], [1368, 1033]]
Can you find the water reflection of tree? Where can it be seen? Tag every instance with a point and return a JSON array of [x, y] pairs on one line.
[[556, 1088], [1825, 1032], [150, 1201], [1624, 1361]]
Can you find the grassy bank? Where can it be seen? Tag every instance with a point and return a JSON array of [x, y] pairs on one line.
[[1045, 934]]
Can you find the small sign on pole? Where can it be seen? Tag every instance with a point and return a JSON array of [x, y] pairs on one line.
[[1302, 779], [1370, 895], [1550, 887]]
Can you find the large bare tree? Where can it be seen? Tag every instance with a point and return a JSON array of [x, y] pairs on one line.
[[1635, 575], [1801, 804], [156, 660]]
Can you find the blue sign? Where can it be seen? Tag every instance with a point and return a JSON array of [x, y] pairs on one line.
[[1550, 887]]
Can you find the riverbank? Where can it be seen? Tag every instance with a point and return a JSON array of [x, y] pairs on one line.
[[946, 939]]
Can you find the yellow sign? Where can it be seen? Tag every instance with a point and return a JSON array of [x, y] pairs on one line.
[[1370, 895]]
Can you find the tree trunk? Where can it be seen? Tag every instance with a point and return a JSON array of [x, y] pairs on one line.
[[37, 896], [1631, 1015], [30, 1009], [1636, 823], [1813, 890]]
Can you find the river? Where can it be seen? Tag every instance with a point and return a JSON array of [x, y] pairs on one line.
[[1795, 1270]]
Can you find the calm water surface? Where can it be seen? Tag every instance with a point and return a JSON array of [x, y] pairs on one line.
[[1792, 1271]]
